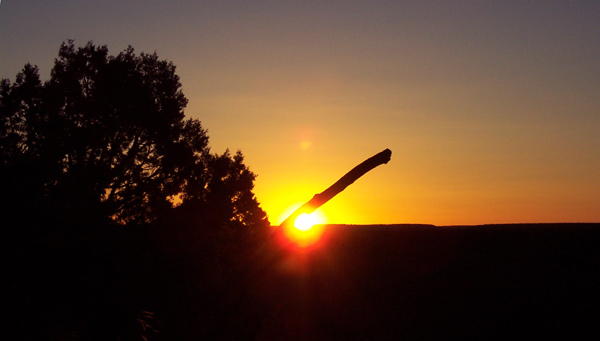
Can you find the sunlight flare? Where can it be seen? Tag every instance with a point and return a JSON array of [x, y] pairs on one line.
[[305, 222], [307, 228]]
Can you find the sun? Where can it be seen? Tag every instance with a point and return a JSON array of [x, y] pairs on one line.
[[307, 229], [305, 221]]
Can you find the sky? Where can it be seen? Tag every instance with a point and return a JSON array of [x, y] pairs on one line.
[[491, 108]]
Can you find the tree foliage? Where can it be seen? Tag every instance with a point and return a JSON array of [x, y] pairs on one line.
[[106, 136], [102, 145]]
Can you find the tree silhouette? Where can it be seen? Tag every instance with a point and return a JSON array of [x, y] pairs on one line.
[[107, 135], [102, 145]]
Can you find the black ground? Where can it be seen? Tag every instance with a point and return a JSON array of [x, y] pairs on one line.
[[416, 282], [362, 282]]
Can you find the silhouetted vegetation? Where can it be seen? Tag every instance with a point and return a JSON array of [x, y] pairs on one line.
[[107, 193], [107, 135]]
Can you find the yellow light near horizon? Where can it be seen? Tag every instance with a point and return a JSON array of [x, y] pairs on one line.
[[305, 222], [305, 238], [307, 228], [318, 215]]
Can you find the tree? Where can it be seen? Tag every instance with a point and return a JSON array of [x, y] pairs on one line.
[[105, 143], [107, 137]]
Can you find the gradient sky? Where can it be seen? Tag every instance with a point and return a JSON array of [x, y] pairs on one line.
[[491, 108]]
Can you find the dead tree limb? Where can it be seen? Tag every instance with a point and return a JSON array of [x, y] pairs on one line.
[[319, 199]]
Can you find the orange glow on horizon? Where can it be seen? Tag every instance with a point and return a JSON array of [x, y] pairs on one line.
[[307, 229], [305, 222], [304, 238]]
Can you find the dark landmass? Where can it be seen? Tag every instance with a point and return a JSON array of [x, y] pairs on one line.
[[447, 282], [361, 282]]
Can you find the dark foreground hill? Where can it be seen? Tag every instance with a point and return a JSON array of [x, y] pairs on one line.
[[359, 282], [427, 282]]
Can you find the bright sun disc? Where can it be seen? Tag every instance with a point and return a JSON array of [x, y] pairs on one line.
[[307, 229], [305, 222]]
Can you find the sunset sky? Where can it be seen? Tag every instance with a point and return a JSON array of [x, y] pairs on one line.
[[491, 108]]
